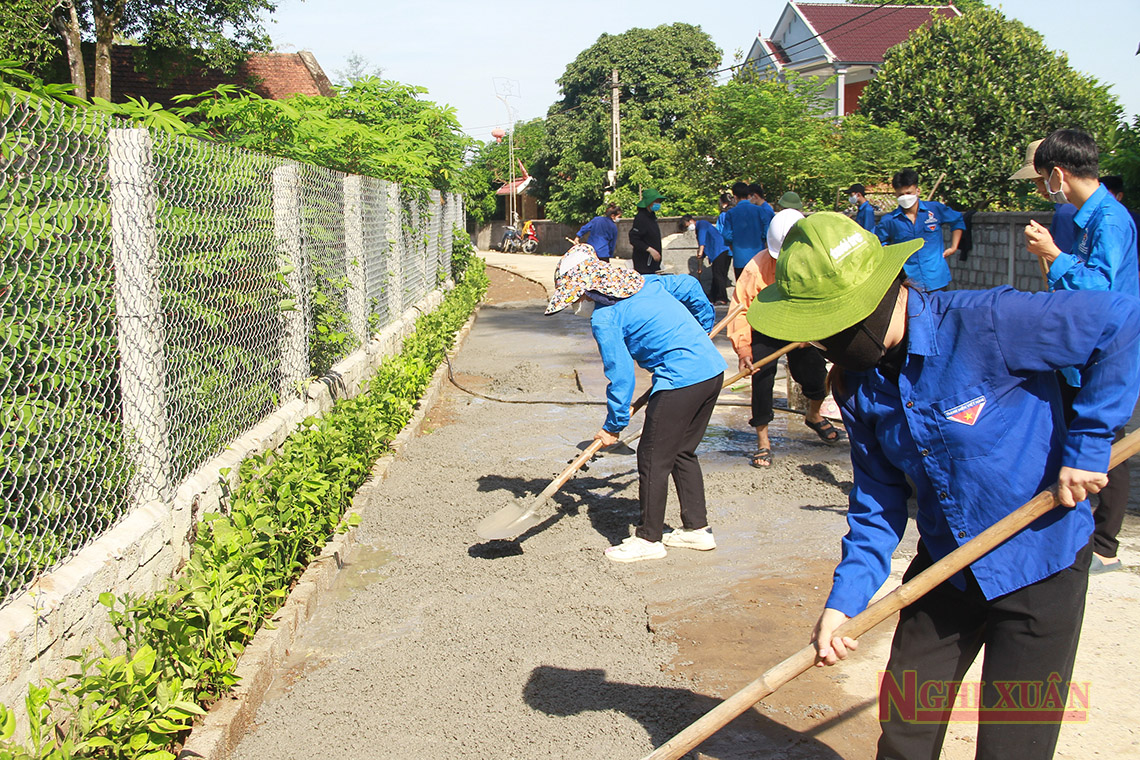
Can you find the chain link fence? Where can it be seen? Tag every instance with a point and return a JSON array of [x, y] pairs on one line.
[[159, 296]]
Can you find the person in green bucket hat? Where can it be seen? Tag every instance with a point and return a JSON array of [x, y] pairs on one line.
[[645, 234], [956, 393]]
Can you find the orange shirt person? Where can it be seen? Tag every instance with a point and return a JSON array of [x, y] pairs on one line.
[[806, 365]]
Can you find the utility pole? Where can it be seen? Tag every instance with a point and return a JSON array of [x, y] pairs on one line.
[[615, 144], [509, 88]]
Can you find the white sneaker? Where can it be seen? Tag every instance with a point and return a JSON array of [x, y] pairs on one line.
[[700, 539], [636, 548]]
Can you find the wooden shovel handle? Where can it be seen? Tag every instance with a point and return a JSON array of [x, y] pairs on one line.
[[906, 594], [733, 314]]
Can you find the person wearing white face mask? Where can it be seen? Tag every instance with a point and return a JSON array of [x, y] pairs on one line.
[[1103, 257], [916, 219], [865, 212]]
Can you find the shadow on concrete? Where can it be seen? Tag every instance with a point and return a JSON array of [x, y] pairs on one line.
[[610, 515], [822, 472], [664, 711]]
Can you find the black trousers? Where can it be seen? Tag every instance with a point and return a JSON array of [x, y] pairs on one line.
[[1111, 503], [719, 286], [675, 422], [1030, 636], [806, 366]]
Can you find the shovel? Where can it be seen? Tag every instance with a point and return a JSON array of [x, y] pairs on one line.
[[523, 514], [904, 595]]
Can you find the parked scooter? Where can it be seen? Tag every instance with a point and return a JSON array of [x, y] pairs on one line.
[[514, 241]]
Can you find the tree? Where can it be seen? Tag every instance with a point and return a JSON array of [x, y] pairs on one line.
[[973, 91], [357, 67], [1123, 158], [173, 34], [489, 167], [375, 127], [777, 132], [26, 33], [661, 71]]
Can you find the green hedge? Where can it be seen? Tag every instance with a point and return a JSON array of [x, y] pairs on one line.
[[182, 643]]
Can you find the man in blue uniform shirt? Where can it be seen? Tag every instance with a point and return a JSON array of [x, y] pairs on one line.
[[745, 227], [916, 219], [1103, 257], [864, 211]]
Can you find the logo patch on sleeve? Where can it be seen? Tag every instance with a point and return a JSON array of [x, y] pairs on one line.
[[967, 413]]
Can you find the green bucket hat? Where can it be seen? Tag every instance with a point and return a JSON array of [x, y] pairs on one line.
[[831, 273], [791, 200], [648, 195]]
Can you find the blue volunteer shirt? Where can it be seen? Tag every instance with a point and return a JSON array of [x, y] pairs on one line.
[[1062, 229], [711, 239], [664, 329], [865, 216], [975, 422], [602, 235], [926, 266], [1102, 255], [745, 230]]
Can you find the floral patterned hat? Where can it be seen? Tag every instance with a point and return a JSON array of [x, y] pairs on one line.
[[580, 270]]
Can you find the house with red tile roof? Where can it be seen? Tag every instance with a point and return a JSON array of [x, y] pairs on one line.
[[839, 40]]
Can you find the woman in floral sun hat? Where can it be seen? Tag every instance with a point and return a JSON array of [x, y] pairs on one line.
[[661, 323]]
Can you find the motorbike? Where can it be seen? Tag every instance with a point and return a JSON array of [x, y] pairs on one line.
[[514, 241]]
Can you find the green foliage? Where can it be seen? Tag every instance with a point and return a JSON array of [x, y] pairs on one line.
[[26, 33], [63, 475], [489, 168], [661, 72], [973, 91], [182, 643], [1123, 158], [778, 133], [374, 127], [462, 253]]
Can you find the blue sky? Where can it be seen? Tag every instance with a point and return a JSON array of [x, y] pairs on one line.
[[455, 48]]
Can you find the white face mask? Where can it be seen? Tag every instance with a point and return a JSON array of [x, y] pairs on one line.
[[852, 199], [1058, 195], [584, 307], [691, 227], [908, 200]]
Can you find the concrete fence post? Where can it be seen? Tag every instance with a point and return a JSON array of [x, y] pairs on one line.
[[447, 232], [138, 304], [435, 216], [354, 255], [287, 230], [396, 251]]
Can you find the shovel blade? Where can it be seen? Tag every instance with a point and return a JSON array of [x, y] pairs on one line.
[[513, 519]]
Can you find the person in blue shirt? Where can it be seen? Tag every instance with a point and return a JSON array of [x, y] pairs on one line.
[[722, 264], [1114, 184], [957, 394], [864, 211], [1103, 257], [710, 245], [745, 227], [916, 219], [601, 232], [660, 323]]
